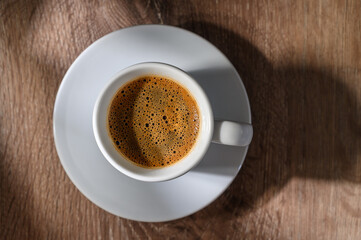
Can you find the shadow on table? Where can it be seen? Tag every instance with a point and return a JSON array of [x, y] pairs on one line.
[[305, 123]]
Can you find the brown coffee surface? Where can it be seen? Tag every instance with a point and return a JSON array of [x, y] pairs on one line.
[[153, 121]]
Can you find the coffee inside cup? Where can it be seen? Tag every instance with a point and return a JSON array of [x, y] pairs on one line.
[[153, 121]]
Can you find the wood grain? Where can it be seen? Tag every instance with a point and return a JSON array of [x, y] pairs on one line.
[[301, 64]]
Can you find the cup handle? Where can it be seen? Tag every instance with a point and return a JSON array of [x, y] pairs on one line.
[[232, 133]]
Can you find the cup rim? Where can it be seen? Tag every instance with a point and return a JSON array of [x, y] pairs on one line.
[[120, 162]]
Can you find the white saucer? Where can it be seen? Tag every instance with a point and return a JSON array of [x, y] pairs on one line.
[[90, 171]]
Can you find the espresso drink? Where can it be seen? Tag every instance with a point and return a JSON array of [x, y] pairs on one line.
[[153, 121]]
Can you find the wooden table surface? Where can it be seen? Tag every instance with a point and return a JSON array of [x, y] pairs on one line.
[[301, 64]]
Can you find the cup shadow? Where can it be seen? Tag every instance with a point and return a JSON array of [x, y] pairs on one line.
[[305, 121], [229, 102]]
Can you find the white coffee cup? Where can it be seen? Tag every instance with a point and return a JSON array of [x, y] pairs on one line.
[[223, 132]]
